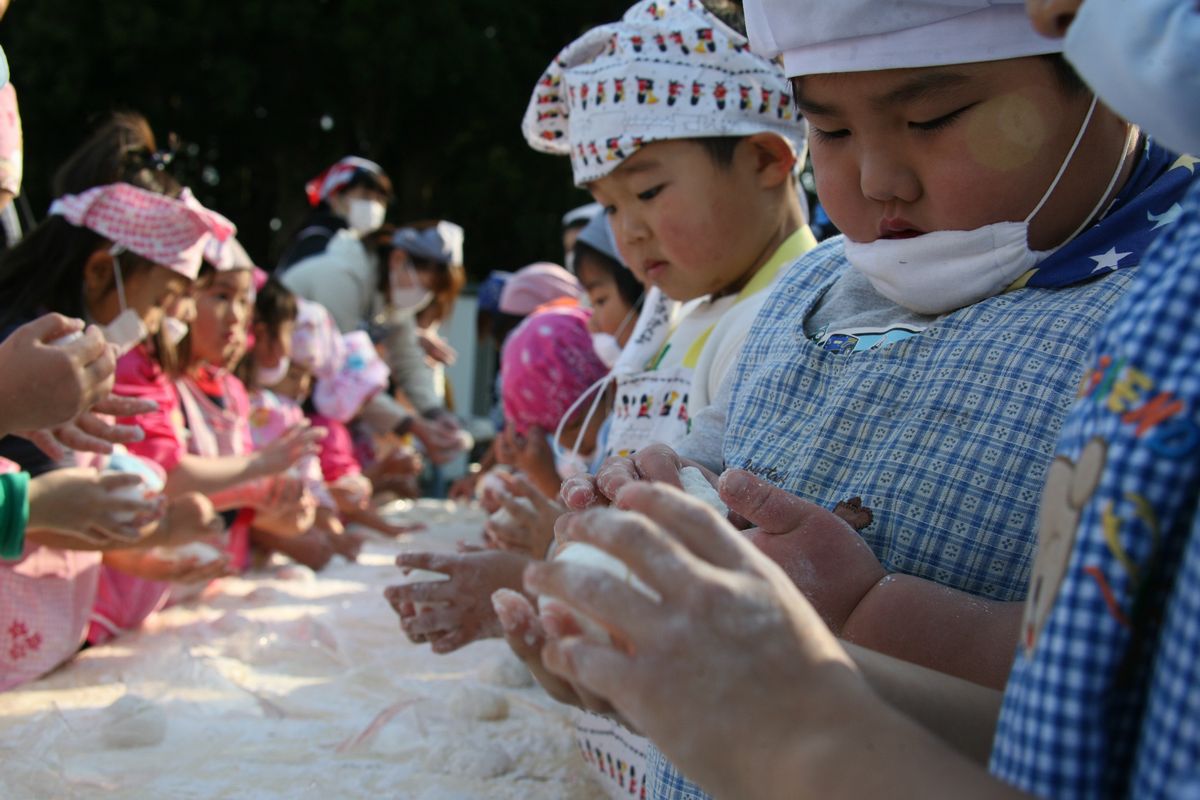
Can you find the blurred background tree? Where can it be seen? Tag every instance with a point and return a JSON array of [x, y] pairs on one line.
[[264, 94]]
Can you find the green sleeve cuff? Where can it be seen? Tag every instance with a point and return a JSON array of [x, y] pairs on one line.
[[14, 514]]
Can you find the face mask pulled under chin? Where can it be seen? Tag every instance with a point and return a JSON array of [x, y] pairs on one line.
[[272, 376], [409, 298], [1141, 59], [364, 216], [942, 271], [607, 348], [127, 330], [174, 330]]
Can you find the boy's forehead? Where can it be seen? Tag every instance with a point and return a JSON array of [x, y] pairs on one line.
[[886, 89]]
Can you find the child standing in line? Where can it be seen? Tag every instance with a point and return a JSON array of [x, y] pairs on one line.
[[1102, 698]]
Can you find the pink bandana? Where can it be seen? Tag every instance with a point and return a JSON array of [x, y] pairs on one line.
[[316, 344], [546, 364], [171, 233], [337, 176], [363, 373], [536, 285]]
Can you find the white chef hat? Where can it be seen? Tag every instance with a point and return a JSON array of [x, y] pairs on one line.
[[817, 37], [668, 70]]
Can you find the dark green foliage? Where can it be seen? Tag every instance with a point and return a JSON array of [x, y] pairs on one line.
[[434, 91]]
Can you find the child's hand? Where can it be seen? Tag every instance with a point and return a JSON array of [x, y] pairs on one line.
[[291, 515], [85, 503], [89, 432], [657, 462], [189, 571], [440, 437], [47, 384], [190, 517], [285, 451], [731, 666], [530, 453], [527, 528], [460, 608]]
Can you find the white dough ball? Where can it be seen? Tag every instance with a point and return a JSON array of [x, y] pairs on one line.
[[67, 339], [510, 673], [589, 556], [695, 484], [478, 759], [478, 703], [133, 721], [203, 553]]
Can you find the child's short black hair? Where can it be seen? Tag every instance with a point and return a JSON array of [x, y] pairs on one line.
[[627, 286], [274, 305], [720, 148]]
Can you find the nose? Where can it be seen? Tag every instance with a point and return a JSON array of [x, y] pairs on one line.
[[885, 176], [1052, 17], [629, 228]]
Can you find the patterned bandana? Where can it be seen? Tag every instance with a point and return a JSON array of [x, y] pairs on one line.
[[667, 70], [362, 374], [337, 176], [546, 364], [171, 233], [816, 37], [316, 344]]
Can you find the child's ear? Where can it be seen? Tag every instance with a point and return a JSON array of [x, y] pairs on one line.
[[773, 158], [98, 274]]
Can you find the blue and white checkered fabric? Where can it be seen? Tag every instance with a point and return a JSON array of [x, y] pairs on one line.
[[946, 435], [1107, 701]]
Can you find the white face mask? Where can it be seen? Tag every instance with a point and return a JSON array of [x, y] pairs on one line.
[[1141, 58], [941, 271], [365, 215], [271, 376], [127, 330], [608, 350], [174, 330], [410, 297]]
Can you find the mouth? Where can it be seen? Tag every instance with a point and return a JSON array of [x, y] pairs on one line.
[[654, 269], [897, 228]]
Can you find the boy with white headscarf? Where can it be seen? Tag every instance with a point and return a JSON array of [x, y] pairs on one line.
[[1102, 698]]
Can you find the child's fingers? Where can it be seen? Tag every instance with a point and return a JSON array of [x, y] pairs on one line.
[[766, 506], [71, 436], [658, 463], [599, 595], [429, 592], [93, 425], [112, 481], [579, 492], [428, 621], [45, 441], [661, 562], [49, 327], [118, 406], [614, 473], [598, 668], [526, 637], [690, 522], [444, 563]]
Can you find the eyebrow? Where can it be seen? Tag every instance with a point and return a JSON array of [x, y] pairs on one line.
[[917, 88]]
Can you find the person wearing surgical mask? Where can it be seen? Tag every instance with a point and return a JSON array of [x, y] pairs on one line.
[[352, 194], [1101, 679], [380, 283], [613, 292]]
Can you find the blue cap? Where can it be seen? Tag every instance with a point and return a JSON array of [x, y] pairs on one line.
[[442, 243], [490, 289]]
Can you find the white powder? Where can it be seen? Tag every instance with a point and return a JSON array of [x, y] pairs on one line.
[[276, 676], [133, 721], [695, 484]]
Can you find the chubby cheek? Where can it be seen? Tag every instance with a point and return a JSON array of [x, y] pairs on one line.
[[837, 184]]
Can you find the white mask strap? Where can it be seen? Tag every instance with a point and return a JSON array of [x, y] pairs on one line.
[[599, 385], [1130, 137], [115, 251], [1066, 161]]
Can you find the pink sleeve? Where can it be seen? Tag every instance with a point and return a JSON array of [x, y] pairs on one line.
[[337, 450], [237, 401], [139, 376]]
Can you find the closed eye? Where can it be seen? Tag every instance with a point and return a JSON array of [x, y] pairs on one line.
[[651, 193], [828, 136], [943, 121]]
